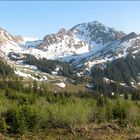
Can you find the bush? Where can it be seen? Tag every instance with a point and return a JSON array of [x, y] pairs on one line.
[[133, 115], [119, 111], [68, 115], [31, 118], [16, 121], [3, 125], [22, 119]]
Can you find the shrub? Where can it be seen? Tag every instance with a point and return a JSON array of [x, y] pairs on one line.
[[3, 125], [119, 110], [16, 120], [31, 117], [68, 115]]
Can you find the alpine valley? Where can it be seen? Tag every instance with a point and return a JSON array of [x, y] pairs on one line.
[[84, 50], [80, 84]]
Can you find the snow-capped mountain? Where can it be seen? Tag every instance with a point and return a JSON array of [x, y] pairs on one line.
[[129, 44], [63, 45], [10, 43], [79, 42], [88, 44], [83, 46], [96, 32]]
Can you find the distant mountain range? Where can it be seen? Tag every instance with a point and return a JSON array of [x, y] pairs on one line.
[[84, 46]]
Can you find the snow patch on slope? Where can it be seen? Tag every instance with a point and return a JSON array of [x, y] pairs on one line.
[[22, 74], [62, 85]]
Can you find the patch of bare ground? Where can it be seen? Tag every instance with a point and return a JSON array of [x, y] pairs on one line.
[[99, 132], [108, 131]]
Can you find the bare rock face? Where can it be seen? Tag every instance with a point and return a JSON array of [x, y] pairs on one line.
[[96, 31], [62, 31], [129, 36]]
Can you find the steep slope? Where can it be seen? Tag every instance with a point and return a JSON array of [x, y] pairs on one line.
[[63, 45], [79, 42], [117, 49], [96, 32]]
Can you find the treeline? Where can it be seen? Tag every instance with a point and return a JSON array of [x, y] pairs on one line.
[[49, 66]]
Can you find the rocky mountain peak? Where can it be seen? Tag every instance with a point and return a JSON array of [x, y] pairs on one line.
[[62, 31], [97, 32], [129, 36], [4, 35]]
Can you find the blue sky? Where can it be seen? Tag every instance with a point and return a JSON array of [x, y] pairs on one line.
[[38, 18]]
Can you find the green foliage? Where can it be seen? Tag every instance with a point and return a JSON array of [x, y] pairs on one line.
[[33, 108], [16, 121], [68, 115], [3, 126], [135, 96], [102, 111], [30, 107], [100, 101], [119, 111], [22, 119], [31, 117], [126, 96], [5, 70]]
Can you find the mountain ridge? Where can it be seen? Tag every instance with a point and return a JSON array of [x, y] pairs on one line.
[[83, 46]]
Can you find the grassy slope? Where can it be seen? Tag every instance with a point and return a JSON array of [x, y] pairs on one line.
[[69, 87]]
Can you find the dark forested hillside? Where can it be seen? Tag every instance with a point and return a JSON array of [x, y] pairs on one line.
[[123, 70], [49, 66]]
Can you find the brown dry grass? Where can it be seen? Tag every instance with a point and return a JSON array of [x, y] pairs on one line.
[[88, 132]]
